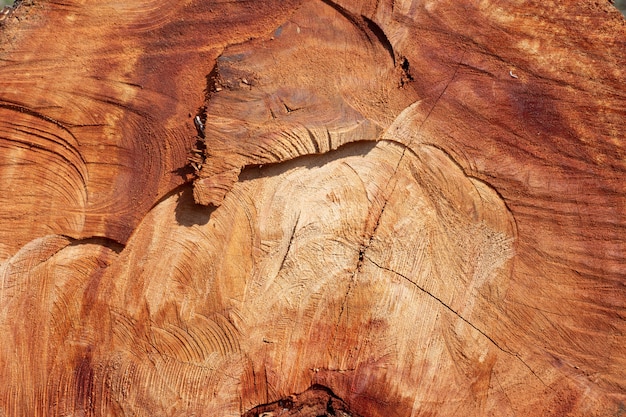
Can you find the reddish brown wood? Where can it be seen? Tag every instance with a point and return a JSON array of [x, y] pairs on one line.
[[398, 208]]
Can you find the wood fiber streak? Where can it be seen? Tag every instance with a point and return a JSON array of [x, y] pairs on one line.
[[395, 208]]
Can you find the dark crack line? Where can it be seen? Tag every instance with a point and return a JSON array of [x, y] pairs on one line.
[[364, 247], [267, 384], [293, 234], [362, 251], [456, 70], [397, 167], [345, 301], [447, 307], [432, 108]]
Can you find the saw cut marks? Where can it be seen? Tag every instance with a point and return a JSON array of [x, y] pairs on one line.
[[55, 202], [354, 279], [336, 284], [118, 91], [297, 92], [417, 208]]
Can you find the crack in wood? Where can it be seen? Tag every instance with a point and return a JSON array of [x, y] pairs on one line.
[[361, 256], [293, 233], [450, 309]]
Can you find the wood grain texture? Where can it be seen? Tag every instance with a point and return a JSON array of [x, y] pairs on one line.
[[399, 208]]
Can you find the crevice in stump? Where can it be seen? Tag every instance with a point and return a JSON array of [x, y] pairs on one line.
[[317, 401]]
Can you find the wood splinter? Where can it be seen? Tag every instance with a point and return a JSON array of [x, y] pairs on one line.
[[199, 126]]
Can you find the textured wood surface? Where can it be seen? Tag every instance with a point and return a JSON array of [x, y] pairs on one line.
[[398, 208]]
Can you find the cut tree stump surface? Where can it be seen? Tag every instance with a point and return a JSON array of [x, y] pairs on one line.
[[395, 208]]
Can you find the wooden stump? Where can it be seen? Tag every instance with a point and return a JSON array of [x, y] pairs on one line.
[[387, 208]]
